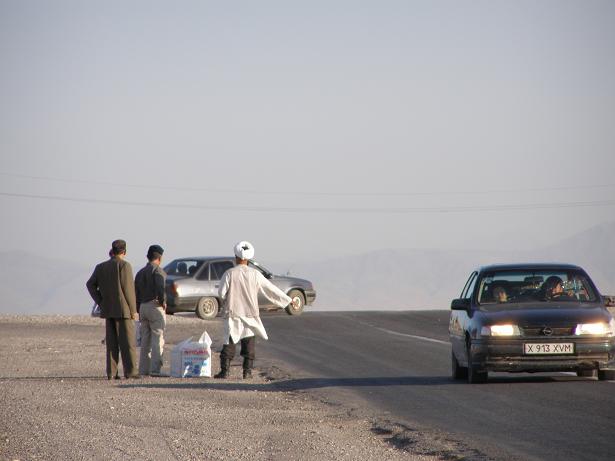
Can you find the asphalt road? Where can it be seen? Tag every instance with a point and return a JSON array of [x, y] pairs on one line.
[[397, 365]]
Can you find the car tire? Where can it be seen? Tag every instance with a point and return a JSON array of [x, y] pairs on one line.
[[586, 373], [457, 371], [475, 376], [299, 299], [207, 308], [606, 375]]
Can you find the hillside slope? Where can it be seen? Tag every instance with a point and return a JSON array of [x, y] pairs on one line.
[[385, 279]]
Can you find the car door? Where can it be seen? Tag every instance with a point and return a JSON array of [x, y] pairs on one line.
[[216, 270], [191, 285], [459, 320], [202, 281]]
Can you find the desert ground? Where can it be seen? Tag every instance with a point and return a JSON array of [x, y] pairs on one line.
[[56, 403]]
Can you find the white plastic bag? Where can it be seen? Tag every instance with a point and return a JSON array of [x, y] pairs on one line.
[[138, 333], [192, 358], [95, 310]]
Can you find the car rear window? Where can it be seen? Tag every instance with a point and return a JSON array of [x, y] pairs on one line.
[[557, 286], [183, 267]]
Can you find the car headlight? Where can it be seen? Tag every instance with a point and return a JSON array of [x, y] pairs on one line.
[[500, 330], [598, 328]]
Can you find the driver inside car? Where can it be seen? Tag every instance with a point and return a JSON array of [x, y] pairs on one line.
[[553, 289]]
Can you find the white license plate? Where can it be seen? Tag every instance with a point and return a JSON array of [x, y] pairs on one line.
[[548, 348]]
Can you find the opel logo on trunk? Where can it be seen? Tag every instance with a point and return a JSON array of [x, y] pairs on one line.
[[547, 331]]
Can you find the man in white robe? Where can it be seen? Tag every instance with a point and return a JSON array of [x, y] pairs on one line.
[[239, 290]]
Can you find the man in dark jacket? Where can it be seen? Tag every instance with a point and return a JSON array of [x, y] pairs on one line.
[[112, 288], [151, 304]]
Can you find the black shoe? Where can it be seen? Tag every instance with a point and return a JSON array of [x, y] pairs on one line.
[[225, 366], [222, 375], [247, 368], [113, 377], [133, 377]]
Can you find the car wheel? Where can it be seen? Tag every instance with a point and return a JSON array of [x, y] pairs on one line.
[[207, 308], [586, 373], [457, 371], [606, 375], [474, 376], [299, 299]]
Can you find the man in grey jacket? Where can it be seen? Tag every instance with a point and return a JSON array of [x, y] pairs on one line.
[[151, 304], [111, 286]]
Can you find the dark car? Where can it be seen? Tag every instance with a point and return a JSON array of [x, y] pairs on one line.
[[192, 286], [531, 318]]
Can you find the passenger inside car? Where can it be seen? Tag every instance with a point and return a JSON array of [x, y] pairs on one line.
[[182, 268], [499, 294], [495, 292]]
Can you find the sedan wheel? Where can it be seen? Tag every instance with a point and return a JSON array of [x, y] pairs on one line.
[[606, 375], [475, 376], [207, 308], [586, 373], [457, 371], [299, 299]]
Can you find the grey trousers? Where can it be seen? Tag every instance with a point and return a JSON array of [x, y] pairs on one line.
[[153, 321], [120, 338]]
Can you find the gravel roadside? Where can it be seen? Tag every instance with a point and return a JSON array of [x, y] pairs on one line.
[[56, 403]]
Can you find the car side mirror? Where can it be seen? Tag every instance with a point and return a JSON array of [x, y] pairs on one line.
[[462, 304], [609, 301]]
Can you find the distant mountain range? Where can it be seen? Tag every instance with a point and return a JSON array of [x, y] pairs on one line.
[[385, 279], [422, 279], [32, 284]]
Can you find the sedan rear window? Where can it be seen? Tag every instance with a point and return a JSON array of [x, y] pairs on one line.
[[535, 286], [183, 267]]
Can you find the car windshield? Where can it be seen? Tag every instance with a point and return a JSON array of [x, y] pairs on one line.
[[546, 286], [183, 267]]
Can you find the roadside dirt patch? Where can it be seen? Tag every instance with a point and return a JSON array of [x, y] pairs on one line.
[[426, 443], [56, 403]]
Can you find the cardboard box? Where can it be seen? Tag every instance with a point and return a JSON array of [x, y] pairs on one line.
[[192, 358]]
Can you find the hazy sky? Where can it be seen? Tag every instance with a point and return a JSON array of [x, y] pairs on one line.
[[195, 124]]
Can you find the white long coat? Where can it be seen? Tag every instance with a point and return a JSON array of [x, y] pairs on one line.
[[239, 289]]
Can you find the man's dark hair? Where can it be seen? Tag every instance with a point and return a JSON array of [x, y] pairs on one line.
[[118, 247], [154, 252]]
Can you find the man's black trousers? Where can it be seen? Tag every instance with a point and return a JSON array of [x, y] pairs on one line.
[[247, 349]]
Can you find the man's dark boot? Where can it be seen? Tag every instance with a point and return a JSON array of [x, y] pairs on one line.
[[225, 366], [247, 368]]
